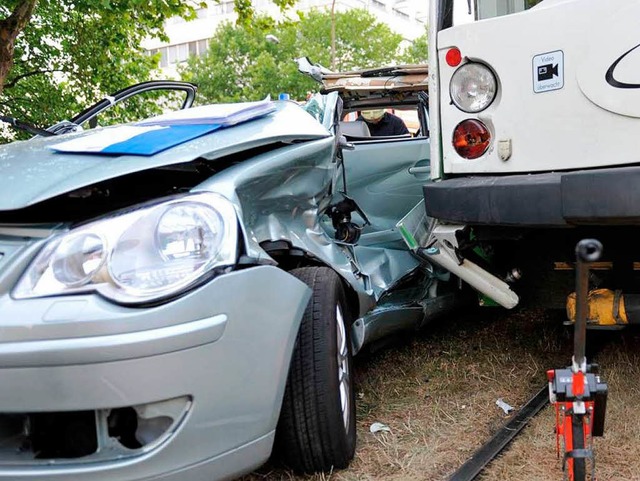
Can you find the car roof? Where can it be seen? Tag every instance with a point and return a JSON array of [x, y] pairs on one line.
[[367, 82], [398, 78]]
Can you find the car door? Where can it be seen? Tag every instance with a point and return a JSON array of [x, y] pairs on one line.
[[137, 102], [385, 178]]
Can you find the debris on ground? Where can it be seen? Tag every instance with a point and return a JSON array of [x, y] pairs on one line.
[[504, 406], [377, 427]]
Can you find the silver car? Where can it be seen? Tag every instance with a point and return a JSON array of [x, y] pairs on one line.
[[181, 315]]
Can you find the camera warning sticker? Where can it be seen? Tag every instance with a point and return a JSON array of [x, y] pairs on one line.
[[548, 71]]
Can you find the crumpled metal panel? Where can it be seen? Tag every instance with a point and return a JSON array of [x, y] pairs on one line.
[[279, 196], [384, 266]]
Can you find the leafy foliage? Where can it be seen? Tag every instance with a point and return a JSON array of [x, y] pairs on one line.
[[418, 51], [247, 14], [242, 64], [73, 52]]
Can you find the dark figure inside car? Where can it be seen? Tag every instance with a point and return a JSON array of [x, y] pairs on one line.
[[383, 123]]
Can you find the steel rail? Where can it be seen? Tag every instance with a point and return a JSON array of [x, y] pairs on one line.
[[487, 452]]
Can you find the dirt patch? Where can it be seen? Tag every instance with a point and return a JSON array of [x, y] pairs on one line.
[[437, 391]]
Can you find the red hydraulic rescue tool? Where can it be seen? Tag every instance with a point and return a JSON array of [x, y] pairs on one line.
[[577, 393]]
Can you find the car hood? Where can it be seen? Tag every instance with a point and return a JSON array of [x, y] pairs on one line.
[[31, 172]]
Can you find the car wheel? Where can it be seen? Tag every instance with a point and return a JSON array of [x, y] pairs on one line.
[[316, 430]]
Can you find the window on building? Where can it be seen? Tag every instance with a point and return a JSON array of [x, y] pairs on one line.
[[182, 52], [203, 46], [174, 54], [164, 57]]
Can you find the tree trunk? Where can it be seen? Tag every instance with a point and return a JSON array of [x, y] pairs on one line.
[[10, 28]]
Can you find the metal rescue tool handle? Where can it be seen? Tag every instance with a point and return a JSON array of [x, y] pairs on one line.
[[587, 251]]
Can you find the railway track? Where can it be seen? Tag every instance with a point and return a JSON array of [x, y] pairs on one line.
[[492, 448], [483, 456]]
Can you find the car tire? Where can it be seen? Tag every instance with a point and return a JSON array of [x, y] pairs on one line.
[[316, 430]]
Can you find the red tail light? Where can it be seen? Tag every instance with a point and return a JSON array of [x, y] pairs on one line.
[[453, 57], [471, 139]]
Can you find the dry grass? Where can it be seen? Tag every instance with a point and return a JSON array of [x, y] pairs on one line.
[[617, 453], [437, 392]]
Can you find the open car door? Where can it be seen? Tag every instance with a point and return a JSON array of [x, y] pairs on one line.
[[384, 176], [133, 103], [137, 102]]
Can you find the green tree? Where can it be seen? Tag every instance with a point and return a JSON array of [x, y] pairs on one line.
[[247, 14], [243, 64], [141, 18], [418, 51], [11, 25], [71, 52]]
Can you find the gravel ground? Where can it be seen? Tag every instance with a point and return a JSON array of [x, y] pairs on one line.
[[436, 390]]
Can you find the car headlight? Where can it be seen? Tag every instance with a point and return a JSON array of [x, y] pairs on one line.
[[141, 255], [473, 87]]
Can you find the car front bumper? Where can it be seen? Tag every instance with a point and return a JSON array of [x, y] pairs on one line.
[[218, 356]]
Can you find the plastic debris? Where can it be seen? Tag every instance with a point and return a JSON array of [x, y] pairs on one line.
[[377, 427], [504, 406]]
